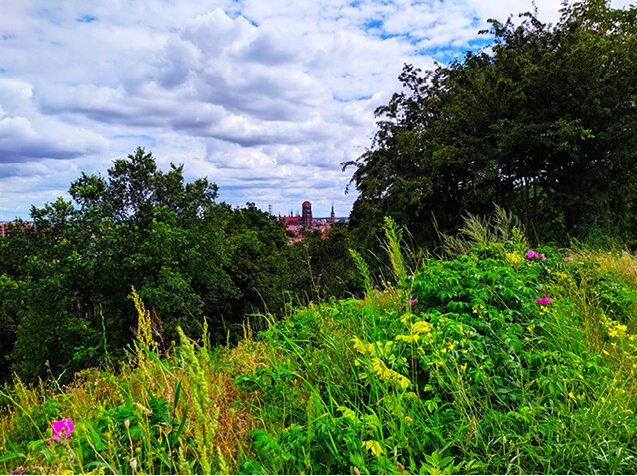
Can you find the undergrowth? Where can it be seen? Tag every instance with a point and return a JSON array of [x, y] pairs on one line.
[[491, 359]]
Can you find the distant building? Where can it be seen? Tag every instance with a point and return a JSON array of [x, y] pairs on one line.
[[297, 226], [306, 220], [290, 220], [5, 226]]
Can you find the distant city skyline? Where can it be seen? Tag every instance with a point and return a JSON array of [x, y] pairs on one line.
[[266, 99]]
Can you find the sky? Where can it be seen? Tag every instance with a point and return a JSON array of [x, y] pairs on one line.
[[265, 98]]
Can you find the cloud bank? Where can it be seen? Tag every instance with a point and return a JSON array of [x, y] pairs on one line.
[[266, 99]]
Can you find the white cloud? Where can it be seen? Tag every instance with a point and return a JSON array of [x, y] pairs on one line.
[[27, 135]]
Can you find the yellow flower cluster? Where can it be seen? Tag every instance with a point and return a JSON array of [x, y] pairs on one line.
[[378, 348], [415, 330], [373, 446], [388, 375], [615, 329], [514, 259], [379, 351], [623, 344]]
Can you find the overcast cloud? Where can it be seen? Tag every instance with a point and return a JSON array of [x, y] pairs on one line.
[[265, 98]]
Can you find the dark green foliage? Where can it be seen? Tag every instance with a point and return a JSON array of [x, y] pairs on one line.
[[543, 124], [10, 302], [321, 265], [497, 383], [258, 263], [67, 279]]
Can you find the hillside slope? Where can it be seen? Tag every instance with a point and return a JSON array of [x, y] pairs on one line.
[[500, 360]]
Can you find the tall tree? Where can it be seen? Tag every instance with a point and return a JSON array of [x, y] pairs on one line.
[[73, 270], [542, 123]]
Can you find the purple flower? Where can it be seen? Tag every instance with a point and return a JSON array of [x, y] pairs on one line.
[[62, 429], [543, 301], [412, 302], [532, 254], [542, 257]]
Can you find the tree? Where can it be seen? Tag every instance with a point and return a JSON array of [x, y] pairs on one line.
[[75, 267], [321, 266], [542, 124]]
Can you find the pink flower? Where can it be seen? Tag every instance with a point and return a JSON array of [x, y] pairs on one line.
[[62, 429], [532, 254], [543, 301], [413, 302]]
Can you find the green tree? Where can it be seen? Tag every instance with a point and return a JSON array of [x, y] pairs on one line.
[[257, 265], [541, 123], [75, 267], [322, 267]]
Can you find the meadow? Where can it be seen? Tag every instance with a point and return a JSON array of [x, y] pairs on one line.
[[490, 356]]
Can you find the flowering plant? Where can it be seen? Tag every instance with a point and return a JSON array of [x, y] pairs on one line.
[[534, 255], [543, 301], [62, 429]]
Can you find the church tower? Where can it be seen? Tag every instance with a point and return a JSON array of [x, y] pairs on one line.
[[332, 215], [306, 219]]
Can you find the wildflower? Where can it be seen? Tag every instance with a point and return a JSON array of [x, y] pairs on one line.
[[413, 302], [532, 254], [373, 446], [513, 258], [543, 301], [420, 326], [62, 429]]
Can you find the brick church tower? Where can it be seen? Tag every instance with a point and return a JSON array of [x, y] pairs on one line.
[[306, 219]]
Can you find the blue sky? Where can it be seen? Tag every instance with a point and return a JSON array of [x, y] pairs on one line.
[[265, 98]]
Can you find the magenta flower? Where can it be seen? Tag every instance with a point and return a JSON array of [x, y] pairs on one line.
[[543, 301], [532, 254], [62, 429], [413, 302]]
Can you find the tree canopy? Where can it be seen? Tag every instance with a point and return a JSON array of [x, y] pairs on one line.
[[66, 281], [542, 122]]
